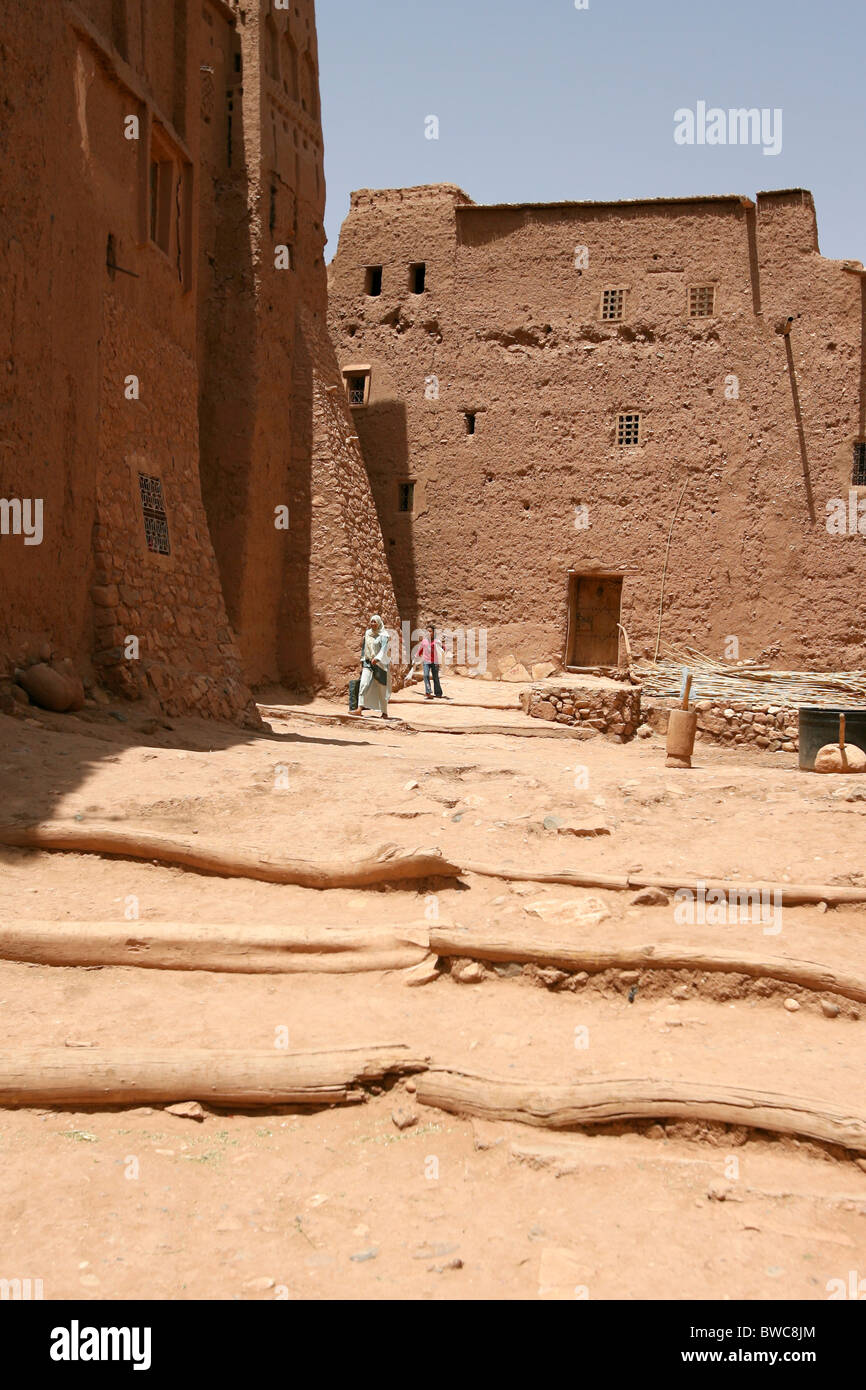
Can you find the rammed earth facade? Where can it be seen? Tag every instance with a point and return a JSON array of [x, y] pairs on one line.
[[586, 417], [169, 396]]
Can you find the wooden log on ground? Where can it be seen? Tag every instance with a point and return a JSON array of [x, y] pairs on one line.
[[610, 1100], [790, 894], [58, 1076], [234, 949], [388, 864], [569, 876], [527, 948]]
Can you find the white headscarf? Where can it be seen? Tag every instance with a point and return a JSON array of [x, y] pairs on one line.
[[376, 643]]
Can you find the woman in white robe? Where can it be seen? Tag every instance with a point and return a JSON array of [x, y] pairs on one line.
[[373, 694]]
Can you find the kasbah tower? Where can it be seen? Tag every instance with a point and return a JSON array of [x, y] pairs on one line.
[[171, 411], [570, 410]]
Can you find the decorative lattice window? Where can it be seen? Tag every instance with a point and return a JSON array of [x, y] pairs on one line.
[[357, 385], [155, 519], [858, 476], [406, 497], [702, 301], [612, 305], [627, 430]]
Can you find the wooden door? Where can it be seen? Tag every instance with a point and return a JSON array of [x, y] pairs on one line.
[[595, 602]]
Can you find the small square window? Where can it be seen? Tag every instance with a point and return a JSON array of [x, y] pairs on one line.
[[418, 278], [469, 420], [702, 301], [373, 281], [627, 430], [405, 497], [357, 386], [155, 519], [858, 476], [612, 305]]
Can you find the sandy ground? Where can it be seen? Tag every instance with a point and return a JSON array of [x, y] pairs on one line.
[[341, 1203]]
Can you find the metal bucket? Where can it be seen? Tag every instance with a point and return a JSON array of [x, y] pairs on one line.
[[821, 726]]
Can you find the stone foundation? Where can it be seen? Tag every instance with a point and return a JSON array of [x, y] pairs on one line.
[[771, 727], [610, 707]]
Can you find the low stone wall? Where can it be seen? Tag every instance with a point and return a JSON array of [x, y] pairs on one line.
[[771, 727], [609, 707]]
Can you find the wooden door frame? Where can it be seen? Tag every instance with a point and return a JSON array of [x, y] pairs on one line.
[[573, 577]]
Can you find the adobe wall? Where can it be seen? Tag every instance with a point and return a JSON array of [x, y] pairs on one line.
[[509, 324], [276, 431], [88, 315], [153, 257]]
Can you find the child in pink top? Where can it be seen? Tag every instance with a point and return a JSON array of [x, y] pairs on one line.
[[429, 652]]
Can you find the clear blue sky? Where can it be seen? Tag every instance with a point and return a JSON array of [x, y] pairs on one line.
[[539, 101]]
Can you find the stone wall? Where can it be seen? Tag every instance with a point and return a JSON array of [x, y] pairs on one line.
[[608, 707], [771, 727]]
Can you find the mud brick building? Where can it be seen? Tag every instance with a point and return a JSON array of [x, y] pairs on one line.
[[168, 390], [549, 395]]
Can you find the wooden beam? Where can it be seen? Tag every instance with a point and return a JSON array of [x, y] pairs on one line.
[[236, 949], [388, 864], [612, 1100], [575, 955], [58, 1076]]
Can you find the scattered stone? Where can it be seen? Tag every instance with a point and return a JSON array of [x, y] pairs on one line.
[[486, 1134], [650, 897], [403, 1119], [829, 1009], [583, 829], [469, 974], [259, 1284], [423, 973], [509, 971], [410, 786], [822, 907], [187, 1110], [364, 1255], [411, 1085], [792, 1006], [645, 731], [72, 1042], [629, 977], [552, 823], [549, 976], [542, 669], [585, 911], [682, 992], [722, 1192], [440, 1269]]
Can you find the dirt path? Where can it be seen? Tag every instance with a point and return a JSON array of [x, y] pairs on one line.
[[151, 1205]]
